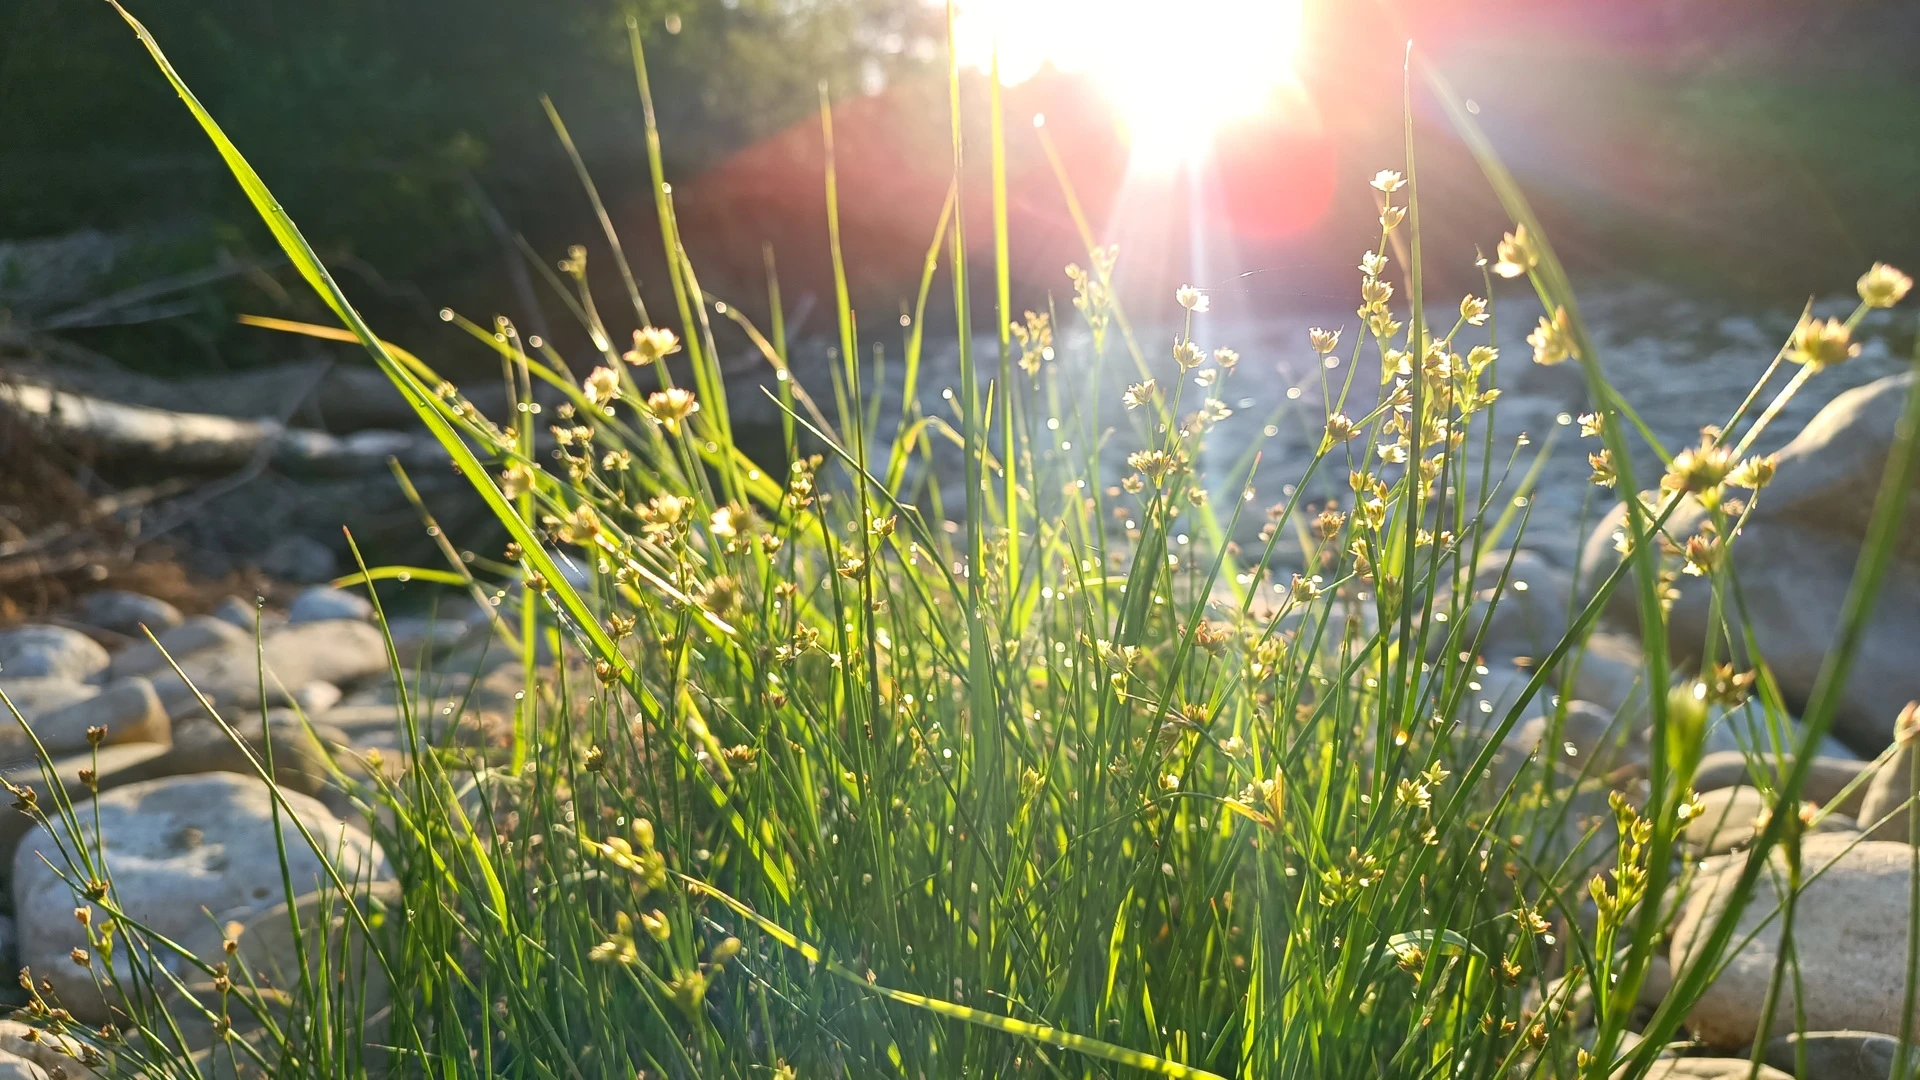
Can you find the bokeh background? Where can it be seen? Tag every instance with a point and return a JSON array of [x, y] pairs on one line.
[[1766, 150]]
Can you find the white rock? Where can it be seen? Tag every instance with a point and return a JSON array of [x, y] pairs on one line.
[[1529, 618], [337, 651], [130, 710], [50, 651], [195, 635], [325, 602], [1850, 934], [1796, 557], [126, 612], [299, 558], [42, 694], [179, 849]]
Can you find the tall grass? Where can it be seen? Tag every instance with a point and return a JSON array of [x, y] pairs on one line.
[[822, 783]]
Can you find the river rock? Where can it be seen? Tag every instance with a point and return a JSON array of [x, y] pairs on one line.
[[130, 710], [337, 651], [1711, 1068], [180, 849], [195, 635], [1888, 793], [129, 613], [42, 694], [1850, 936], [324, 602], [19, 1068], [1590, 739], [1837, 1055], [1827, 778], [1730, 817], [54, 1054], [1796, 556], [50, 651], [1529, 618]]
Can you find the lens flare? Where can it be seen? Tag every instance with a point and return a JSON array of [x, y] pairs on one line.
[[1176, 74]]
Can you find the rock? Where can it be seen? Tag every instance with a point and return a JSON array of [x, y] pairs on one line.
[[1827, 778], [1795, 558], [317, 697], [1731, 816], [130, 710], [236, 612], [299, 760], [325, 602], [113, 766], [418, 638], [1706, 1068], [299, 558], [54, 1054], [19, 1068], [195, 635], [129, 613], [337, 651], [1591, 740], [1530, 617], [50, 651], [1609, 672], [42, 694], [1837, 1055], [1887, 795], [179, 849], [1850, 934]]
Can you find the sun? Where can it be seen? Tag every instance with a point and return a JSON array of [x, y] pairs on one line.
[[1175, 71]]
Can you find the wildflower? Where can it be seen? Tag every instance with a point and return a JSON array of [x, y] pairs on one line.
[[662, 513], [1754, 473], [851, 566], [1156, 464], [651, 343], [1188, 355], [602, 386], [1473, 309], [1413, 795], [616, 461], [1372, 264], [1329, 523], [1699, 469], [1374, 292], [1552, 340], [1388, 181], [1192, 299], [580, 526], [670, 406], [1391, 217], [1821, 343], [1036, 341], [1226, 358], [1517, 254], [1323, 341], [1169, 782], [1703, 555], [516, 481], [656, 925], [1882, 286], [1590, 424], [725, 522], [1139, 394], [1340, 429], [1303, 590], [1603, 470]]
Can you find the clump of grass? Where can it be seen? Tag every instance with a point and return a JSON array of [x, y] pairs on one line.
[[824, 783]]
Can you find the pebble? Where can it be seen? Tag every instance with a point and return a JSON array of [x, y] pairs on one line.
[[50, 651], [195, 635], [1837, 1055], [237, 612], [1888, 793], [1827, 778], [42, 694], [183, 846], [1730, 818], [129, 613], [337, 651], [294, 557], [324, 602]]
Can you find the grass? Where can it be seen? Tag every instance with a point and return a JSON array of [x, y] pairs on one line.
[[823, 783]]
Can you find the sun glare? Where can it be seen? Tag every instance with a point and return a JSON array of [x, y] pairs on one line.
[[1175, 73]]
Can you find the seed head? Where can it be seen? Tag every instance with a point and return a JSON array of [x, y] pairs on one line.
[[1374, 292], [1192, 299], [1226, 358], [1340, 429], [516, 481], [1323, 341], [1882, 286], [1473, 309], [1139, 394], [1754, 473], [96, 734], [1822, 343], [1188, 355], [1391, 217], [1372, 264], [1697, 470]]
